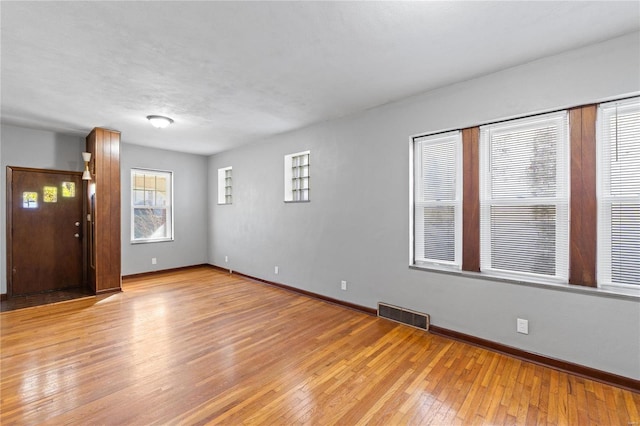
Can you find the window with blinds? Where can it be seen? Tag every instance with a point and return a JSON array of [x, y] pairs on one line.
[[618, 142], [297, 176], [524, 198], [225, 185], [438, 199]]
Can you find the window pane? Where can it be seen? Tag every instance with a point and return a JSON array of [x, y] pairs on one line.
[[619, 196], [138, 181], [225, 183], [439, 171], [151, 209], [68, 189], [149, 198], [161, 183], [438, 199], [161, 198], [624, 133], [138, 197], [29, 200], [149, 182], [523, 238], [439, 233], [625, 243], [50, 194], [296, 173], [523, 163], [150, 223]]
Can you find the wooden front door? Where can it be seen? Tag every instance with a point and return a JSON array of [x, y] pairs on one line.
[[44, 235]]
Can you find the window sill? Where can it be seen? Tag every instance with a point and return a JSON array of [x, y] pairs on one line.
[[605, 291], [163, 240]]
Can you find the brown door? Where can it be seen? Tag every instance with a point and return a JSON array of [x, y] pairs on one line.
[[45, 240]]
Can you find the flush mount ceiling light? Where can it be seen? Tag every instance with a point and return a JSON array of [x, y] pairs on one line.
[[159, 121]]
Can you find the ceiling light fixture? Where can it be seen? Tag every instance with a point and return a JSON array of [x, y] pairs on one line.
[[159, 121]]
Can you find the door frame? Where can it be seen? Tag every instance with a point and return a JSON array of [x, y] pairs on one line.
[[9, 221]]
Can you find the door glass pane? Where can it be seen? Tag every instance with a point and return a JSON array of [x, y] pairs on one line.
[[68, 189], [50, 194], [30, 200]]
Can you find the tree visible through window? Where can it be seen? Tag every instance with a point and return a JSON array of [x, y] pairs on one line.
[[151, 206], [524, 197]]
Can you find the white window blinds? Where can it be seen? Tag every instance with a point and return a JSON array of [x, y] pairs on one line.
[[618, 141], [524, 203], [438, 199]]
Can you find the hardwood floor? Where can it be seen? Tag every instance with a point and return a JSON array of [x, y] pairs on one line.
[[201, 346]]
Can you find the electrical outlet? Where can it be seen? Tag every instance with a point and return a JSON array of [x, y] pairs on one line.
[[522, 326], [343, 285], [154, 260], [226, 259], [275, 270]]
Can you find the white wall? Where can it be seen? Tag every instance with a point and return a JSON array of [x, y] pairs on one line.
[[190, 210], [356, 227], [20, 147]]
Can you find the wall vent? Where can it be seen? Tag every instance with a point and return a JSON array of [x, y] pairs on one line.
[[404, 316]]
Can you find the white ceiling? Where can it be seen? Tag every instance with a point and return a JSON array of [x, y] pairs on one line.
[[231, 73]]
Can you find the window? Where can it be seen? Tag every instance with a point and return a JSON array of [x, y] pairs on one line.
[[151, 206], [524, 194], [224, 186], [50, 194], [618, 151], [296, 177], [30, 200], [437, 196]]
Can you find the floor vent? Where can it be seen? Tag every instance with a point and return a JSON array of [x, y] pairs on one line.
[[404, 316]]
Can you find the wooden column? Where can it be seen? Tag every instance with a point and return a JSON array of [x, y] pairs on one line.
[[584, 219], [104, 260], [471, 200]]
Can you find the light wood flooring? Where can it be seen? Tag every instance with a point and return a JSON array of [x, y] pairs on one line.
[[204, 347]]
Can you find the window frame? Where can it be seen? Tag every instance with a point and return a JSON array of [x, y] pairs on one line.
[[290, 177], [225, 184], [605, 199], [416, 203], [582, 209], [560, 201], [169, 235]]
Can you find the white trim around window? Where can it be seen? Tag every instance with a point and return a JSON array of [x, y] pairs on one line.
[[618, 193], [437, 200], [225, 185], [151, 206], [524, 198], [297, 177]]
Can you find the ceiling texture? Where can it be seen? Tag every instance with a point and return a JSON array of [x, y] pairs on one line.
[[231, 73]]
